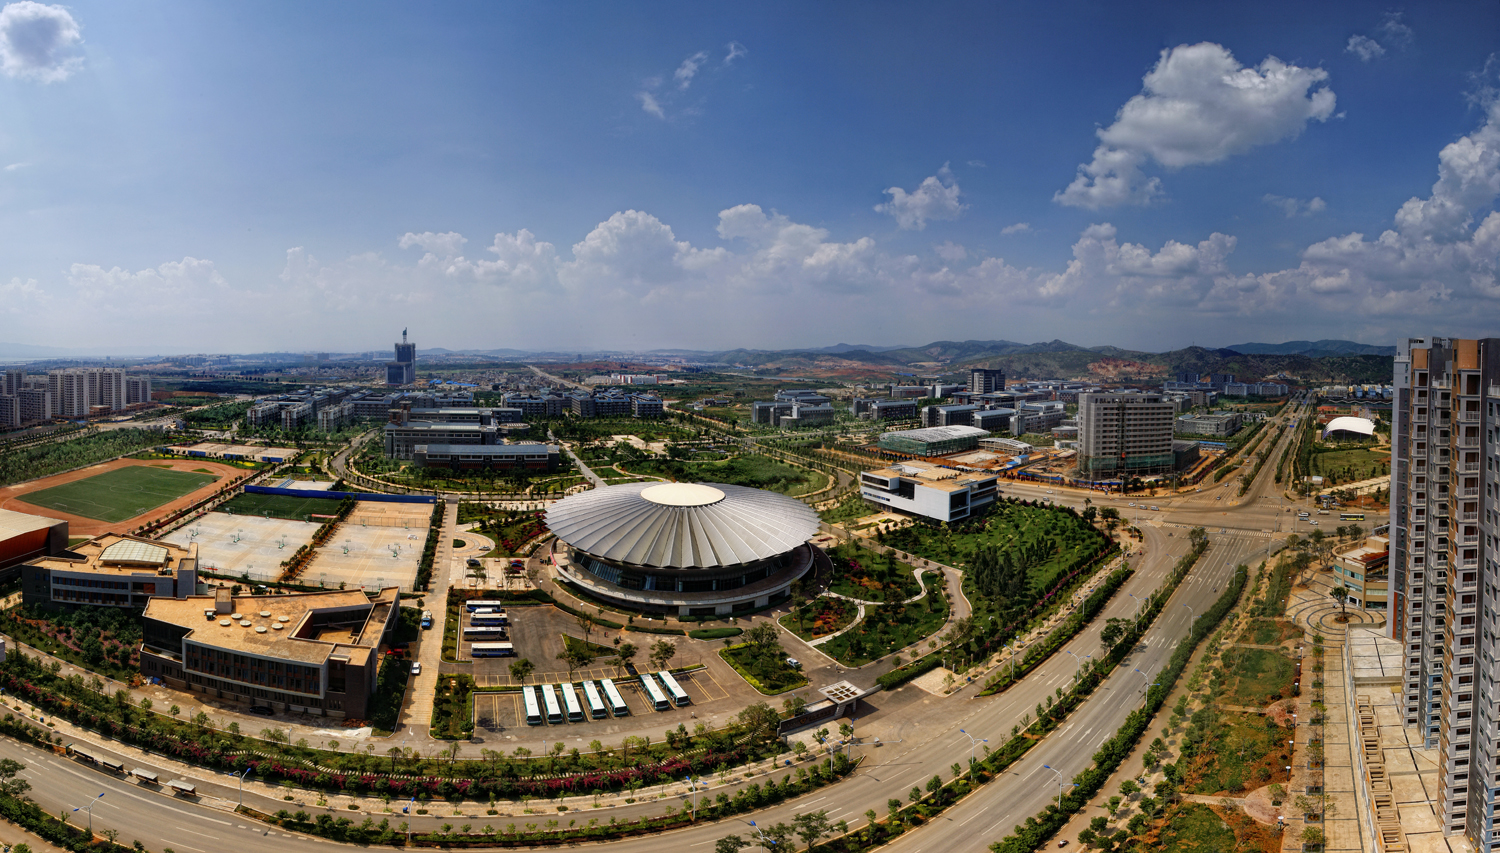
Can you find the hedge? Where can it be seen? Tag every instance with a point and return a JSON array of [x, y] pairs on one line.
[[715, 633]]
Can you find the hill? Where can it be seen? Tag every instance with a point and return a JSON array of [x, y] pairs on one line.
[[1314, 349]]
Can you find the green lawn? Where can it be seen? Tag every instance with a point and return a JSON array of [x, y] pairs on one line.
[[1359, 463], [1258, 677], [1195, 828], [760, 472], [281, 506], [1240, 753], [119, 494]]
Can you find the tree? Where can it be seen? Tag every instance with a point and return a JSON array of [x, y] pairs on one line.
[[730, 844], [758, 718], [576, 656], [1114, 629], [10, 786], [1129, 788], [625, 652], [521, 669], [1341, 594], [585, 624], [662, 651], [763, 638], [812, 826]]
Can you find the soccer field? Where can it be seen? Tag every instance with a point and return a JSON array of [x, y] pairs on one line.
[[119, 494], [281, 506]]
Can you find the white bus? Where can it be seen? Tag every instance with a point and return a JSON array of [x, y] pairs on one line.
[[482, 618], [554, 711], [679, 696], [492, 650], [612, 696], [484, 632], [596, 706], [653, 693], [475, 604], [533, 711], [570, 701]]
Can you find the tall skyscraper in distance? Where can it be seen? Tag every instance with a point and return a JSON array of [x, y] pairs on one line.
[[1444, 598], [403, 370]]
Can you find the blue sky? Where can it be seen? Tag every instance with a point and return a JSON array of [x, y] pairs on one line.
[[552, 175]]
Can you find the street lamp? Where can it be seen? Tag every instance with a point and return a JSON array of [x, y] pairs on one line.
[[241, 774], [765, 843], [693, 787], [1138, 604], [1060, 783], [1012, 660], [1078, 671], [1190, 622], [972, 743], [90, 809]]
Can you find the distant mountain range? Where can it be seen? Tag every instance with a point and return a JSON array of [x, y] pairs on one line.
[[1313, 349]]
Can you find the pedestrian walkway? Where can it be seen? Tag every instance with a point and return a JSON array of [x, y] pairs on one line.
[[416, 710]]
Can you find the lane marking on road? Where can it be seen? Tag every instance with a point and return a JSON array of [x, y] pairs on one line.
[[195, 832]]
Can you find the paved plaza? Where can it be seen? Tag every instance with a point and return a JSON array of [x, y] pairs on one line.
[[240, 545]]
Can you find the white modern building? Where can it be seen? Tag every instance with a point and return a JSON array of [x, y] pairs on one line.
[[1124, 434], [932, 491]]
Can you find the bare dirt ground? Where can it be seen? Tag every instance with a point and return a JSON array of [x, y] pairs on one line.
[[13, 497]]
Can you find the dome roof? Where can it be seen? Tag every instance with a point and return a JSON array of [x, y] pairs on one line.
[[682, 525], [1363, 426]]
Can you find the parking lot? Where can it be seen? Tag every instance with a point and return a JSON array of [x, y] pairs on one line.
[[536, 631]]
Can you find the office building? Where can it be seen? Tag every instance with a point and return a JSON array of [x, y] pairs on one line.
[[806, 414], [983, 380], [1442, 600], [498, 457], [1219, 424], [931, 441], [691, 549], [931, 491], [646, 406], [309, 653], [893, 410], [1364, 569], [955, 415], [1124, 434], [110, 571]]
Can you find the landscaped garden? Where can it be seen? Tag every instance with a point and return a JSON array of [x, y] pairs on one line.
[[861, 573], [820, 617], [889, 628], [510, 529], [102, 639], [1257, 676]]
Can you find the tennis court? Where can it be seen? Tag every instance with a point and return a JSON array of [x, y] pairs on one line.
[[120, 494], [243, 545], [281, 506]]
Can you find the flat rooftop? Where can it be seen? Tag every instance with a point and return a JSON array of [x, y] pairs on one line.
[[236, 450], [934, 476], [282, 626], [16, 523], [114, 553]]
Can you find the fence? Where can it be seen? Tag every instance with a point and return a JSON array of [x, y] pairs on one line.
[[358, 496]]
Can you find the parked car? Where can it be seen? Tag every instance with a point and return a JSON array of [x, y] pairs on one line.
[[794, 663], [262, 710], [416, 668]]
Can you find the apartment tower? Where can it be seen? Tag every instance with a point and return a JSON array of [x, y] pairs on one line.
[[1444, 579], [983, 380]]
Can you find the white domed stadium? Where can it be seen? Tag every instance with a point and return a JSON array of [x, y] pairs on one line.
[[685, 548]]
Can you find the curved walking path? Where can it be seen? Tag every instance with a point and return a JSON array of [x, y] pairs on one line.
[[859, 617]]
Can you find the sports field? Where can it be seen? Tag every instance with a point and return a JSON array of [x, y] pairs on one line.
[[281, 506], [119, 494]]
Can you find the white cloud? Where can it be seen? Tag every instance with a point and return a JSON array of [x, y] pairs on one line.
[[1016, 228], [1364, 47], [1198, 106], [1106, 273], [736, 51], [951, 251], [18, 296], [650, 104], [936, 198], [1295, 206], [1397, 34], [1468, 180], [978, 164], [39, 42], [16, 167], [689, 69], [447, 243]]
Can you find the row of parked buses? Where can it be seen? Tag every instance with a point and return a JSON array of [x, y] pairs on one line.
[[488, 631], [603, 699]]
